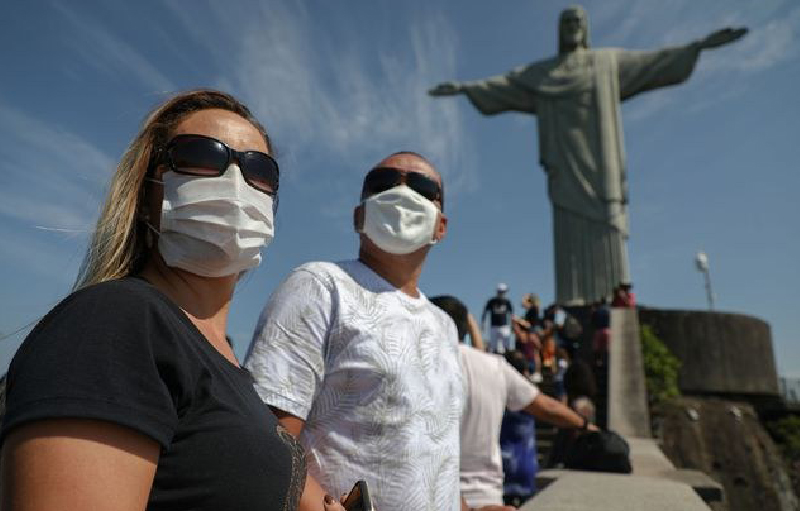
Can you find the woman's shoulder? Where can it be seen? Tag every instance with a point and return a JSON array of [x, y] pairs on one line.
[[120, 298], [124, 289], [123, 305]]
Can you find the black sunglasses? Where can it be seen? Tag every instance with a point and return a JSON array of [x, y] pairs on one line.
[[381, 179], [202, 156]]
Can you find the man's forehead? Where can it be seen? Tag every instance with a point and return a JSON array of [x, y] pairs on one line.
[[411, 163]]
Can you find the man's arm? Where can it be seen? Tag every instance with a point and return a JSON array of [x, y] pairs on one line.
[[286, 359], [313, 498], [549, 410], [291, 423]]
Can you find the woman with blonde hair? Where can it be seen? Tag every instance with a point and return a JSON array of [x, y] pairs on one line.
[[126, 395]]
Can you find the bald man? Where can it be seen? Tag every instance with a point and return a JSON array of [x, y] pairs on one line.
[[355, 361]]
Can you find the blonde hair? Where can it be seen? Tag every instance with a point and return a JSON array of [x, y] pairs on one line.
[[118, 247]]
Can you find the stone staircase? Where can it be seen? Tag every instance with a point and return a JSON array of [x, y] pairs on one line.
[[545, 433]]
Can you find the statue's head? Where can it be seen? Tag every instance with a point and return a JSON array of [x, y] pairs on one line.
[[573, 29]]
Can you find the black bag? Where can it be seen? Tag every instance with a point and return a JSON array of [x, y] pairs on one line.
[[572, 329], [599, 451]]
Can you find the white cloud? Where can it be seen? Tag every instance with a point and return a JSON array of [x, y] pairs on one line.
[[51, 177], [769, 45], [109, 54], [773, 40], [54, 259], [333, 104]]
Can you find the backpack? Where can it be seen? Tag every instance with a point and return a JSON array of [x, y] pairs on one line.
[[572, 328], [599, 451]]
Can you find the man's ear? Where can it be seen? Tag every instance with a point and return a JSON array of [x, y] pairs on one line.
[[358, 218], [441, 228]]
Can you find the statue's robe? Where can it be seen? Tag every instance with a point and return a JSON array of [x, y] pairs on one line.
[[576, 98]]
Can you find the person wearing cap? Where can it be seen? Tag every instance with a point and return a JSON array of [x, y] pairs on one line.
[[500, 312]]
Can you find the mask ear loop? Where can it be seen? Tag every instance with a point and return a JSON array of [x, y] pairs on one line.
[[151, 230]]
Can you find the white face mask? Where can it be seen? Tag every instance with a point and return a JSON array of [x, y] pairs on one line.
[[399, 220], [213, 226]]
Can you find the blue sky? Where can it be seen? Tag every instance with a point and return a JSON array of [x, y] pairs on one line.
[[712, 163]]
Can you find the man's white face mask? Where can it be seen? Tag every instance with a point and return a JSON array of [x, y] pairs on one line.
[[399, 220], [214, 226]]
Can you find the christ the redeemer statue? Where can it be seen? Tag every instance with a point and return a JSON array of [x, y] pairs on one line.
[[575, 97]]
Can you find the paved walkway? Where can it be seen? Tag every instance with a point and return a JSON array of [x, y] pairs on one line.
[[586, 491]]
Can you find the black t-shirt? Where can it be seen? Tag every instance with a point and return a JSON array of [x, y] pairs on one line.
[[532, 316], [121, 351], [601, 317], [499, 309]]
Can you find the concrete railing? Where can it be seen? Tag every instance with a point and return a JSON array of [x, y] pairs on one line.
[[627, 394]]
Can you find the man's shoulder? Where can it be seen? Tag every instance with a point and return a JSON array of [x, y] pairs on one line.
[[442, 316], [327, 271], [317, 267]]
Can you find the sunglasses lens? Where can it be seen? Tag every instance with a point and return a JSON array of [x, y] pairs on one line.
[[381, 179], [260, 170], [424, 186], [198, 156]]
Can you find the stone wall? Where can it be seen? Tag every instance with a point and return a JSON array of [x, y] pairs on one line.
[[721, 353], [725, 440]]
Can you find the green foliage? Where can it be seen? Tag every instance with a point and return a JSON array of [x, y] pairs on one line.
[[786, 432], [660, 368]]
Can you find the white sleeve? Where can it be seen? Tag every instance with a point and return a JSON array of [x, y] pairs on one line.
[[287, 354], [519, 391]]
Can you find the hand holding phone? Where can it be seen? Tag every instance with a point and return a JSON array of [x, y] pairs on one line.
[[358, 498]]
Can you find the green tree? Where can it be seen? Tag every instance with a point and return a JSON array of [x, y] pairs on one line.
[[786, 432], [660, 368]]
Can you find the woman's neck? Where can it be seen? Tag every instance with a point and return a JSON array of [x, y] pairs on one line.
[[205, 300]]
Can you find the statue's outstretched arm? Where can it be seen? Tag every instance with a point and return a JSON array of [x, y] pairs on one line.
[[721, 38], [446, 89]]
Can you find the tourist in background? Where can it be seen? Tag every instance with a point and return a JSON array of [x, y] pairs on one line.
[[466, 326], [601, 338], [526, 331], [500, 312], [491, 386], [623, 296]]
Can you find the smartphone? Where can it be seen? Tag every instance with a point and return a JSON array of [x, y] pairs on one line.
[[358, 498]]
